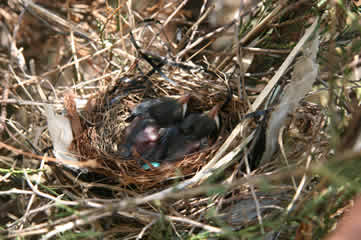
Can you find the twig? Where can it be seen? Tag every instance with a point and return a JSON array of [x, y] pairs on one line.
[[308, 163], [46, 16], [194, 28], [258, 207], [31, 212], [30, 103], [181, 5], [3, 104], [16, 54], [175, 230], [48, 196], [76, 223], [25, 90], [184, 220], [263, 24], [203, 14], [75, 56], [140, 235], [88, 163], [149, 60], [30, 203], [15, 191], [283, 153], [240, 56], [99, 52], [300, 186], [201, 39]]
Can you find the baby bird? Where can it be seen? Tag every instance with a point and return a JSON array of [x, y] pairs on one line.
[[185, 138], [141, 135], [201, 125], [147, 119], [173, 145], [164, 111]]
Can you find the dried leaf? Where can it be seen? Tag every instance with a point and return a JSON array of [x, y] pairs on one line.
[[303, 77], [61, 134]]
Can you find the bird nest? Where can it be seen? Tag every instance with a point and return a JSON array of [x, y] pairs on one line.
[[154, 73], [104, 126]]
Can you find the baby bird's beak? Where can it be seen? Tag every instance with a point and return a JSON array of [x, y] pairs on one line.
[[213, 114]]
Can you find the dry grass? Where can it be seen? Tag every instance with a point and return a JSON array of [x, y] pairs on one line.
[[81, 61]]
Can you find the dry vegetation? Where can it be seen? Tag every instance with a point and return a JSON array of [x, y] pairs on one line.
[[289, 173]]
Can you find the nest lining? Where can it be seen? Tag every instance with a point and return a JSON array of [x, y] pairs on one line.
[[101, 138]]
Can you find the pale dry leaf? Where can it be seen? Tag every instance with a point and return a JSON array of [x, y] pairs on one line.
[[303, 76], [61, 134]]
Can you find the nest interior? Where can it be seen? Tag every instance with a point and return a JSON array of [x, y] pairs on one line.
[[104, 126]]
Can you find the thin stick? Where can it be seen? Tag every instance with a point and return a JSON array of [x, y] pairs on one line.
[[88, 163], [3, 105], [300, 187], [184, 220], [149, 60], [48, 196], [280, 142], [201, 39], [32, 198], [258, 208], [140, 235], [183, 3]]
